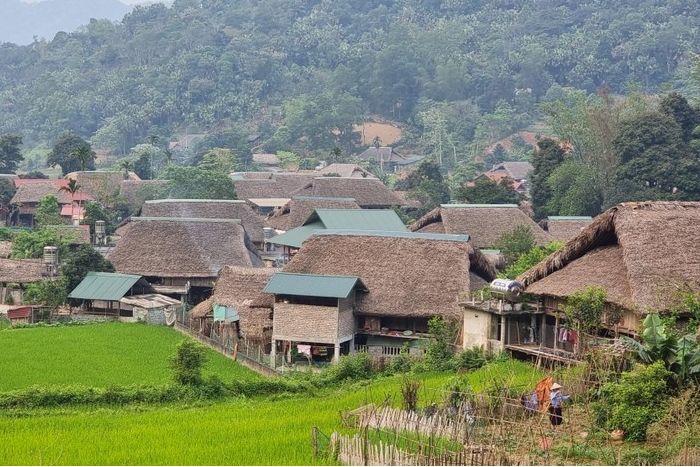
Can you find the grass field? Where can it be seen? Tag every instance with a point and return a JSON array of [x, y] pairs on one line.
[[98, 355], [275, 430]]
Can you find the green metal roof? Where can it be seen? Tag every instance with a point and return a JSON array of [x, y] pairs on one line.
[[379, 220], [104, 286], [313, 285], [478, 205], [296, 236], [381, 233]]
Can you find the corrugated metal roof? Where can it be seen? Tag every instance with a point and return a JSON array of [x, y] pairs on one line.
[[359, 219], [296, 236], [148, 301], [381, 233], [313, 285], [104, 286], [376, 220]]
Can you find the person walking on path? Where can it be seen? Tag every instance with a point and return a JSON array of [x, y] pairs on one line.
[[556, 399]]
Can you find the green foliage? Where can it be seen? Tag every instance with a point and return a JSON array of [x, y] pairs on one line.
[[79, 262], [30, 243], [187, 363], [221, 160], [197, 183], [516, 242], [7, 191], [475, 358], [574, 190], [72, 153], [486, 191], [95, 212], [51, 293], [440, 349], [48, 212], [586, 308], [633, 403], [409, 393], [351, 367], [426, 184], [544, 161], [10, 153], [529, 259]]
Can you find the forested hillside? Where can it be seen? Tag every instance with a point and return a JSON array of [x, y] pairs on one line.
[[301, 72]]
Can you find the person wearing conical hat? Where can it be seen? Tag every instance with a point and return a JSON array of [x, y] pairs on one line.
[[556, 399]]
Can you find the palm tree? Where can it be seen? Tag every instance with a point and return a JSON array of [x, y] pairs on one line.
[[83, 154], [127, 166], [72, 188]]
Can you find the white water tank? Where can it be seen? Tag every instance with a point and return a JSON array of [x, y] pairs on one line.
[[506, 289], [51, 260]]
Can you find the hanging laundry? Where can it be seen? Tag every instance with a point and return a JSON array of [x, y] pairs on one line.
[[562, 335], [305, 350]]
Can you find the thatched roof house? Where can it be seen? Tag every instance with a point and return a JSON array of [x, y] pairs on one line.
[[21, 271], [268, 185], [135, 192], [642, 253], [98, 183], [516, 170], [242, 289], [370, 193], [345, 170], [298, 209], [564, 228], [32, 193], [407, 274], [178, 250], [484, 223], [209, 209]]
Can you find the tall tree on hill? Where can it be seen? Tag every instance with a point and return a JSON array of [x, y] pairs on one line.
[[10, 153], [72, 153], [545, 159], [427, 185]]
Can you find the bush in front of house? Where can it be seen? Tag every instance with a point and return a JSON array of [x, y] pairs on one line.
[[634, 402]]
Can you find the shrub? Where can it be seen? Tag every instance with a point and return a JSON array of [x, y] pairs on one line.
[[355, 366], [187, 363], [440, 350], [634, 402]]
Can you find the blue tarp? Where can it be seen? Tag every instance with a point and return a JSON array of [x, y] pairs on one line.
[[224, 313]]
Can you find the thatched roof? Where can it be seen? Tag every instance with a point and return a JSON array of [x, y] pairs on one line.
[[21, 271], [202, 309], [5, 249], [299, 208], [381, 154], [259, 188], [563, 229], [484, 223], [266, 159], [35, 191], [642, 253], [367, 192], [135, 192], [96, 183], [174, 247], [241, 288], [515, 170], [407, 274], [346, 170], [79, 233], [209, 209]]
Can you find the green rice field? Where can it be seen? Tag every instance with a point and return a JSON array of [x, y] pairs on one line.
[[98, 355], [276, 430]]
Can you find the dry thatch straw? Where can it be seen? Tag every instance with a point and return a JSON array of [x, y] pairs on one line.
[[367, 192], [407, 274], [21, 271], [169, 247], [642, 253], [563, 229], [483, 223], [209, 209], [242, 289]]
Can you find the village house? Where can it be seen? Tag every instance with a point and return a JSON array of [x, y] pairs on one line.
[[386, 158], [125, 297], [238, 308], [484, 223], [182, 257], [15, 274], [208, 209], [376, 291], [299, 208], [30, 192], [385, 220], [368, 193], [345, 170], [641, 253]]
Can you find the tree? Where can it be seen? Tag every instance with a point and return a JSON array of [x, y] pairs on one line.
[[487, 191], [220, 160], [574, 191], [48, 212], [50, 293], [33, 174], [514, 243], [427, 185], [10, 153], [79, 262], [72, 153], [197, 183], [95, 212], [187, 363], [71, 188], [127, 166], [544, 160], [30, 243], [7, 191]]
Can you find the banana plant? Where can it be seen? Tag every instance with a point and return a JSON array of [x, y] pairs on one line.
[[681, 355]]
